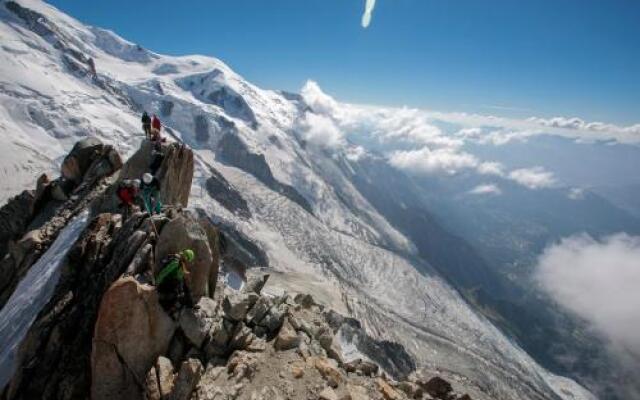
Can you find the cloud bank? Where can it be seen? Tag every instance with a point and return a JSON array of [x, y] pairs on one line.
[[598, 280], [368, 12], [429, 142]]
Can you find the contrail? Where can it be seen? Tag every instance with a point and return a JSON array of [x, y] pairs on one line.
[[368, 10]]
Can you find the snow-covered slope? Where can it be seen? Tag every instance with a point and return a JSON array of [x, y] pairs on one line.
[[302, 207]]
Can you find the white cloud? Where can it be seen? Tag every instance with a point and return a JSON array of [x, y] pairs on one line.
[[486, 189], [321, 131], [599, 281], [411, 126], [533, 178], [415, 140], [429, 161], [491, 168], [317, 100], [368, 12], [622, 133]]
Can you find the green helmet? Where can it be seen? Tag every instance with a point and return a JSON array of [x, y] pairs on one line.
[[188, 254]]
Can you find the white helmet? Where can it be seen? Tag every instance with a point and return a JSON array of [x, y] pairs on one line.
[[147, 178], [136, 183]]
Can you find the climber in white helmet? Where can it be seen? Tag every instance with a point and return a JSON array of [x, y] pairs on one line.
[[151, 193]]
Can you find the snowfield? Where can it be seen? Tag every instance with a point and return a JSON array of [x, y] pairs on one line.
[[320, 234]]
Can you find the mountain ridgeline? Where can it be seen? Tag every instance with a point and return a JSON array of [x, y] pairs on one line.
[[375, 291]]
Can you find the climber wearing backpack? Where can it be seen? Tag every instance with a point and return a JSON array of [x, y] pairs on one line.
[[156, 126], [151, 193], [172, 288], [156, 158], [146, 125], [127, 192]]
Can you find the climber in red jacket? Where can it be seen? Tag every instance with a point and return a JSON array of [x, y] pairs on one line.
[[127, 192], [156, 126]]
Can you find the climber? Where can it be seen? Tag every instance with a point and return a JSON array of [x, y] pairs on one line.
[[146, 125], [156, 157], [172, 288], [156, 126], [127, 192], [151, 193]]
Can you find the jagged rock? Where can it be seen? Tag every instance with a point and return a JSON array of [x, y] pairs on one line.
[[242, 337], [332, 347], [166, 377], [255, 283], [15, 217], [387, 391], [213, 235], [273, 320], [257, 345], [237, 305], [305, 300], [412, 390], [77, 162], [187, 380], [436, 387], [160, 380], [207, 307], [258, 311], [185, 232], [329, 371], [220, 335], [366, 368], [207, 388], [328, 394], [90, 160], [152, 388], [176, 174], [195, 325], [55, 355], [132, 330], [287, 338]]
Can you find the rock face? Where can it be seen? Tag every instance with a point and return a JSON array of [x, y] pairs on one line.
[[132, 330], [185, 232], [42, 214], [83, 155], [96, 337], [175, 174], [15, 217]]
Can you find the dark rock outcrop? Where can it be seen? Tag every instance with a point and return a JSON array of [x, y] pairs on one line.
[[41, 217], [232, 150], [15, 217], [224, 193], [201, 127], [115, 337]]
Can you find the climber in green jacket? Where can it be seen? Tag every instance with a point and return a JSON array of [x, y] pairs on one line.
[[172, 288]]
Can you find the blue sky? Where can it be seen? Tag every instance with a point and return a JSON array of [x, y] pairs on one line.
[[503, 57]]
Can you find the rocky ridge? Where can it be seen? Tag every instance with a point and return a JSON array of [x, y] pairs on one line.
[[103, 334]]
